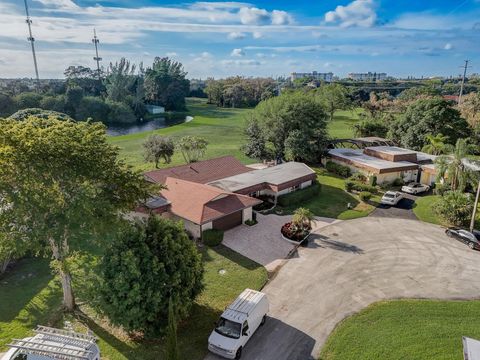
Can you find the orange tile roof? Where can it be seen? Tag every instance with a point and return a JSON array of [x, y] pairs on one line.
[[200, 172], [201, 203]]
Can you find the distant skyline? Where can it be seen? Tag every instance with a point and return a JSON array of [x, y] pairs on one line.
[[259, 38]]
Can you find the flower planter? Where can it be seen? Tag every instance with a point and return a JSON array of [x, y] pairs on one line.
[[291, 237]]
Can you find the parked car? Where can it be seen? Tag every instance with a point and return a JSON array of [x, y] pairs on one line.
[[415, 188], [238, 323], [472, 239], [391, 197]]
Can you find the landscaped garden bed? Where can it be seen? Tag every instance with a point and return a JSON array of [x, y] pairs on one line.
[[298, 230]]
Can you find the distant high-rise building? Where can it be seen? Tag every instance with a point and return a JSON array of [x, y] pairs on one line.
[[368, 76], [327, 77]]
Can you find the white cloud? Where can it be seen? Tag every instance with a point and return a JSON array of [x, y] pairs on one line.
[[171, 54], [237, 53], [357, 13], [235, 35], [448, 46], [59, 4], [246, 62], [204, 56], [254, 16], [281, 17], [257, 35]]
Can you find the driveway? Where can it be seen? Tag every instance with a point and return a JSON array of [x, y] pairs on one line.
[[263, 242], [350, 265], [403, 210]]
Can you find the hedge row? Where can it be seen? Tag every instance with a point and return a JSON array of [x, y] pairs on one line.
[[299, 196], [341, 170], [212, 237], [358, 186]]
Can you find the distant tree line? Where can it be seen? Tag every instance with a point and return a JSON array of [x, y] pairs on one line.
[[239, 92], [117, 95]]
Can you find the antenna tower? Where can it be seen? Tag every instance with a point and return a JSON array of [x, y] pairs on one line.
[[31, 39], [95, 41]]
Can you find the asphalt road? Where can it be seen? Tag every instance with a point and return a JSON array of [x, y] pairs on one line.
[[350, 265]]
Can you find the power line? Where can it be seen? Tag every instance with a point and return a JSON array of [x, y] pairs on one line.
[[465, 67], [31, 39], [95, 41]]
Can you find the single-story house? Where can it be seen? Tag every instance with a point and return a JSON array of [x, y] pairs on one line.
[[220, 193], [202, 207], [387, 163], [275, 181]]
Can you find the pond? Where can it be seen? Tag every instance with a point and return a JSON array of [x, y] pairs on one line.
[[159, 122]]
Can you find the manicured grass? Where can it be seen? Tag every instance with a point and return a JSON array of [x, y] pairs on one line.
[[223, 129], [332, 201], [27, 300], [405, 329], [423, 209]]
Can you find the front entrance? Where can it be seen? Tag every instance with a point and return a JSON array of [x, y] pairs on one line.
[[228, 221]]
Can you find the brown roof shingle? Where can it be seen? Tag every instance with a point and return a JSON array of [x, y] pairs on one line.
[[201, 203], [200, 172]]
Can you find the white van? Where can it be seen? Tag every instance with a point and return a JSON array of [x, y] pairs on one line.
[[238, 323]]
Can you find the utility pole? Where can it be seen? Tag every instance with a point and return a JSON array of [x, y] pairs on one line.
[[32, 42], [472, 222], [95, 41], [463, 81]]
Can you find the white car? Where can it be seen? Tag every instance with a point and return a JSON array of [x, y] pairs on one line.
[[238, 323], [391, 197], [415, 188]]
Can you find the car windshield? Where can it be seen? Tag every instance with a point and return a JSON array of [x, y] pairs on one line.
[[228, 328], [389, 195]]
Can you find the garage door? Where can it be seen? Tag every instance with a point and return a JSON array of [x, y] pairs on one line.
[[228, 222]]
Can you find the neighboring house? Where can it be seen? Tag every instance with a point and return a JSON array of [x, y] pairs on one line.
[[220, 193], [388, 163]]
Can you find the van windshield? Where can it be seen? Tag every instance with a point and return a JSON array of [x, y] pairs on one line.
[[228, 328]]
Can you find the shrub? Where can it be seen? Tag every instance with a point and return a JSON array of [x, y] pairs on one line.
[[372, 180], [147, 265], [441, 189], [357, 186], [359, 177], [212, 237], [398, 182], [454, 208], [365, 196], [341, 170], [251, 222], [299, 196]]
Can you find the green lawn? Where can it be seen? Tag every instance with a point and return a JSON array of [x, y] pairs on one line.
[[332, 201], [405, 329], [30, 295], [223, 129], [423, 209]]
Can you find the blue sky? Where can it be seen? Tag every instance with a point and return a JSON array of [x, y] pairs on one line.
[[258, 38]]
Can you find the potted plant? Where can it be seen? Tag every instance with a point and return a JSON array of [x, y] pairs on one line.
[[299, 228]]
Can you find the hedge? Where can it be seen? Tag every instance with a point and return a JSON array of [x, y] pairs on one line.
[[357, 186], [299, 196], [365, 196], [341, 170], [212, 237]]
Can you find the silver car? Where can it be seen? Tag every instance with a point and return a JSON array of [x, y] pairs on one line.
[[415, 188], [391, 197]]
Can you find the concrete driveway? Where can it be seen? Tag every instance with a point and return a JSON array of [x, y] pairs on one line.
[[350, 265], [263, 242]]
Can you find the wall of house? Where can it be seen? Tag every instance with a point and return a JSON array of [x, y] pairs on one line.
[[247, 214], [305, 184], [194, 229], [207, 226], [426, 178]]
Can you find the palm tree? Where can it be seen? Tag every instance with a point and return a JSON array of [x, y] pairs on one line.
[[437, 145], [302, 218], [453, 168]]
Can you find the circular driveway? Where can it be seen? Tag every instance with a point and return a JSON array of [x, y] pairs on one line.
[[350, 265]]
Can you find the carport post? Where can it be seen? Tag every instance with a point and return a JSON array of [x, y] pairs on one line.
[[472, 222]]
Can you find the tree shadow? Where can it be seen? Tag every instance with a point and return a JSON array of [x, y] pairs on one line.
[[19, 286], [321, 241], [231, 255]]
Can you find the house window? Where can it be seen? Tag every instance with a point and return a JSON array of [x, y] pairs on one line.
[[295, 187]]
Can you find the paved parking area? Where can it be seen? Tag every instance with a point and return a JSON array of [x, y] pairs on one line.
[[403, 210], [263, 242], [350, 265]]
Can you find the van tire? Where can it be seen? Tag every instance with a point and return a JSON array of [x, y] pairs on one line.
[[238, 355], [263, 320]]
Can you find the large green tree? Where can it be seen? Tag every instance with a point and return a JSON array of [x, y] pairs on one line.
[[165, 84], [61, 185], [192, 148], [428, 117], [120, 80], [148, 264], [158, 147], [333, 97], [292, 125]]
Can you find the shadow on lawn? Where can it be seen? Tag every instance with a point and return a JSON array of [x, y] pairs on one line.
[[20, 285], [231, 255]]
